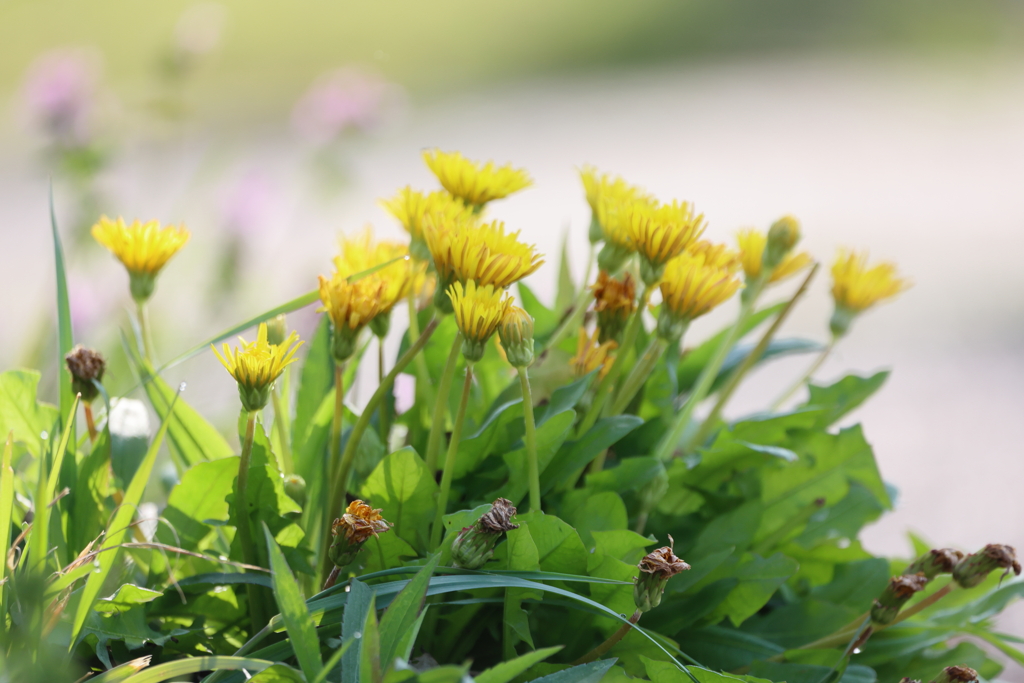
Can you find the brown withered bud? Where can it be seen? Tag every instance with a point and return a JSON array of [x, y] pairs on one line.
[[956, 674], [935, 562], [352, 529], [85, 365], [614, 303], [973, 569], [895, 596], [909, 680], [656, 568], [475, 544]]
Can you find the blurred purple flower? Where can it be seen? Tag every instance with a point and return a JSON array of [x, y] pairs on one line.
[[60, 91], [247, 203], [347, 98], [89, 301]]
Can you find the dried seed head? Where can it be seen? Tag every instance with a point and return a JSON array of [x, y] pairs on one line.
[[499, 519], [895, 596], [956, 674], [85, 365], [475, 544], [656, 568], [974, 568], [935, 562]]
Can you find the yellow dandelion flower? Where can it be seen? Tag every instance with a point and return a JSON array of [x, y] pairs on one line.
[[659, 233], [411, 207], [479, 309], [856, 287], [143, 248], [256, 365], [351, 306], [472, 182], [361, 253], [752, 244], [716, 255], [614, 303], [464, 251], [692, 286], [592, 354], [600, 186]]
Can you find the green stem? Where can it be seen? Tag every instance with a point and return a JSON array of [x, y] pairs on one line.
[[667, 447], [284, 430], [147, 335], [608, 381], [334, 460], [423, 385], [530, 438], [441, 405], [257, 610], [339, 482], [383, 421], [642, 369], [804, 378], [706, 427], [579, 307], [449, 461], [614, 638]]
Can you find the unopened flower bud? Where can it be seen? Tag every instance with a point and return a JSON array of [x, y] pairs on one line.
[[612, 257], [973, 569], [277, 330], [295, 488], [516, 334], [956, 674], [935, 562], [475, 544], [85, 365], [381, 324], [595, 233], [351, 531], [905, 679], [614, 303], [671, 327], [842, 318], [656, 568], [895, 596], [782, 237]]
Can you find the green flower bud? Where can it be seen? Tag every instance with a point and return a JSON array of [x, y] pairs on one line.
[[841, 320], [277, 330], [418, 249], [516, 334], [475, 544], [656, 569], [442, 302], [973, 569], [935, 562], [905, 679], [612, 257], [650, 272], [85, 365], [254, 397], [473, 350], [351, 531], [595, 234], [381, 324], [343, 343], [956, 674], [295, 488], [141, 285], [895, 596], [671, 327], [782, 237]]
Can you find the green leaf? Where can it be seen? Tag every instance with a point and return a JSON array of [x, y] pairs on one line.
[[403, 488], [629, 475], [227, 579], [279, 673], [576, 455], [357, 610], [21, 412], [193, 665], [777, 348], [843, 396], [521, 553], [564, 398], [583, 673], [124, 598], [503, 427], [370, 670], [201, 496], [117, 529], [565, 294], [550, 437], [759, 578], [726, 648], [123, 672], [65, 340], [506, 671], [544, 319], [559, 547], [293, 611], [62, 449], [856, 584], [316, 380], [601, 512], [403, 612], [6, 509]]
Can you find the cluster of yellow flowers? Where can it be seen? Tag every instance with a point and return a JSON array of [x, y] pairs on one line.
[[475, 261]]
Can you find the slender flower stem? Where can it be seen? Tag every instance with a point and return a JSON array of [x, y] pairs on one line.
[[339, 482], [449, 461], [284, 430], [257, 610], [608, 381], [90, 423], [147, 336], [530, 438], [804, 378], [579, 307], [642, 369], [334, 459], [423, 385], [441, 405], [383, 422], [614, 638], [701, 435], [667, 447]]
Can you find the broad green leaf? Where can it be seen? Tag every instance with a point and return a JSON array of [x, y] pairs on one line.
[[758, 578], [6, 508], [385, 551], [855, 584], [550, 437], [777, 348], [564, 398], [576, 455], [843, 396], [403, 488], [845, 518], [809, 673], [726, 648], [117, 529], [124, 598], [294, 614], [129, 627], [521, 553], [629, 475], [200, 497], [403, 612], [506, 671], [601, 512], [583, 673], [559, 547], [544, 319], [503, 427], [21, 412], [800, 623]]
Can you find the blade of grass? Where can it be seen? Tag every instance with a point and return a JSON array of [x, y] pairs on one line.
[[184, 667], [403, 612], [65, 336], [333, 661], [117, 529], [293, 611], [62, 449]]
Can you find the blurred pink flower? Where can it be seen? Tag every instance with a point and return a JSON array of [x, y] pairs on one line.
[[405, 392], [89, 301], [247, 203], [342, 99], [60, 92]]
